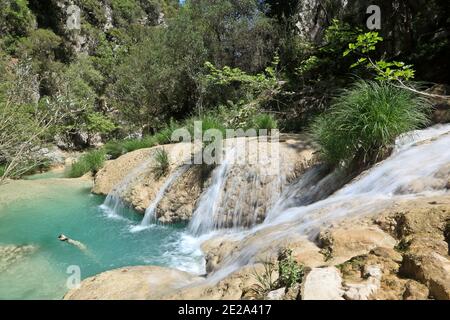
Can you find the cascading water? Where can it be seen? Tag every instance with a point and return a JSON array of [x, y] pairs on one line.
[[149, 216], [113, 205], [239, 196], [203, 217], [419, 165]]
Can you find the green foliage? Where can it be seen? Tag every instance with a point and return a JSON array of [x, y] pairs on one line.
[[16, 20], [126, 11], [289, 271], [251, 85], [364, 121], [162, 163], [171, 60], [95, 11], [2, 169], [92, 162], [98, 123], [116, 148], [265, 121], [41, 45], [328, 57], [164, 136], [365, 44]]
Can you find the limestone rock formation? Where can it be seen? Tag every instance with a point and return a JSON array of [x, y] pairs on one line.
[[180, 200], [131, 283]]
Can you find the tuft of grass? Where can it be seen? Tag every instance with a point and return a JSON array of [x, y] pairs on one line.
[[2, 170], [164, 136], [116, 148], [365, 120], [265, 121], [92, 162], [265, 281], [162, 163]]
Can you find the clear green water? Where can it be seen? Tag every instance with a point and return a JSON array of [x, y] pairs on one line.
[[47, 175], [72, 210]]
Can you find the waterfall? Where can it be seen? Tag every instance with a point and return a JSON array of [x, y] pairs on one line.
[[239, 195], [113, 205], [150, 216], [419, 166], [203, 217]]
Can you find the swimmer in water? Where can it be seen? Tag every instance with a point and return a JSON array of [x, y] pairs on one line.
[[77, 244]]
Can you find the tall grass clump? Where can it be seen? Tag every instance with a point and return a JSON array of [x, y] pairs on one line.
[[364, 121], [164, 136], [265, 121], [162, 163], [116, 148], [92, 162]]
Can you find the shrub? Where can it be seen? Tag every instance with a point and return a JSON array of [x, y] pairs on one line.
[[92, 162], [265, 121], [162, 163], [364, 121], [136, 144], [289, 271], [116, 148], [164, 136]]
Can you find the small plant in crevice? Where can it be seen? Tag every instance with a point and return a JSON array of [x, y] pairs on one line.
[[290, 271], [447, 234], [266, 280], [162, 163], [354, 265], [403, 245]]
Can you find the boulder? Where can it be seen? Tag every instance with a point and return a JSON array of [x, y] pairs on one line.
[[431, 269], [364, 290], [276, 294], [322, 284], [240, 284], [415, 291], [342, 243]]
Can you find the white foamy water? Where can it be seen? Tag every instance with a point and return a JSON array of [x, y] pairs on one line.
[[113, 206], [149, 217], [203, 218], [240, 193]]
